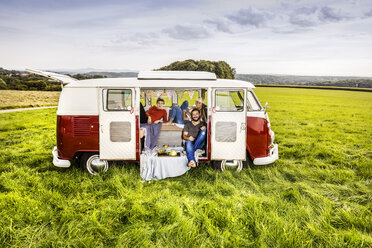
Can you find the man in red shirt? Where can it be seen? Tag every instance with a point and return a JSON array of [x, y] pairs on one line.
[[156, 113]]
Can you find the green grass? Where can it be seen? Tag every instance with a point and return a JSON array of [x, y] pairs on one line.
[[318, 194]]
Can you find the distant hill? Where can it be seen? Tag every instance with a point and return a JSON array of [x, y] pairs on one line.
[[336, 81], [21, 80]]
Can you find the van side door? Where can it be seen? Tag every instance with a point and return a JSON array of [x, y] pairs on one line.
[[228, 134], [117, 130]]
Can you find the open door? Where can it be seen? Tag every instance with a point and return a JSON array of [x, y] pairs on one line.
[[228, 134], [117, 134]]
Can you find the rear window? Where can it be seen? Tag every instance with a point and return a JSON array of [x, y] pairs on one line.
[[119, 100], [229, 100]]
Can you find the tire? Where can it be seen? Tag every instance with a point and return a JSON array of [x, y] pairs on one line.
[[91, 163], [218, 165], [248, 162]]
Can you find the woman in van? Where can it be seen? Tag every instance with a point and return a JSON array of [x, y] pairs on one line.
[[181, 115]]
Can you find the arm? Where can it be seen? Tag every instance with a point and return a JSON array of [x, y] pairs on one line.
[[148, 113], [186, 137], [165, 117]]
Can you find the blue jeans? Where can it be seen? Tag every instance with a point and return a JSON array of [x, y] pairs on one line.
[[198, 143], [176, 113]]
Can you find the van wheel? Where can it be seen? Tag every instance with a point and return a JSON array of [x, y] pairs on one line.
[[91, 163], [218, 165], [248, 161]]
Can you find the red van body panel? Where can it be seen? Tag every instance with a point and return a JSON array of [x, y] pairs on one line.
[[77, 133], [258, 137]]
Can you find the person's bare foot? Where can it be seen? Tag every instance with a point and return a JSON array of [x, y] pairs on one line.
[[168, 122], [192, 164]]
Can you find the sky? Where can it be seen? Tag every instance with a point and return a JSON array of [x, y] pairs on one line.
[[299, 37]]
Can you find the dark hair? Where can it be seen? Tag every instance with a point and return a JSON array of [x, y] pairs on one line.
[[160, 100], [195, 109]]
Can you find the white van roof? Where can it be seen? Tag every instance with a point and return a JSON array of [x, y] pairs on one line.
[[176, 75], [159, 83]]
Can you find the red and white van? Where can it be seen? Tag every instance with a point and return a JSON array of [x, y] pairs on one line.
[[98, 119]]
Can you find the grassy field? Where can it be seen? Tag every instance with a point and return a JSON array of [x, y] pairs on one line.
[[318, 194], [10, 99]]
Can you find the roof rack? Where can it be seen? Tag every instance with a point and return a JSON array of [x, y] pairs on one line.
[[176, 75]]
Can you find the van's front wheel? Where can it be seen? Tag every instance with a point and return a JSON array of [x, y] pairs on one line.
[[91, 163]]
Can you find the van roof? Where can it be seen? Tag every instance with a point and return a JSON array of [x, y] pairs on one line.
[[159, 83]]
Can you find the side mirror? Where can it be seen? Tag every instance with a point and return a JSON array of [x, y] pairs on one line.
[[266, 107]]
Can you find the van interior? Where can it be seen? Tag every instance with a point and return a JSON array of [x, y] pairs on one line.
[[171, 134]]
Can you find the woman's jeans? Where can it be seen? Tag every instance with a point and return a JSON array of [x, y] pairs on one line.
[[176, 113], [198, 143]]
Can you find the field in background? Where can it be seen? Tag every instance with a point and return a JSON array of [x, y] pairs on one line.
[[10, 99], [318, 194]]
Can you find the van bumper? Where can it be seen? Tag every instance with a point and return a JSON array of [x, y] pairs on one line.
[[269, 159], [59, 162]]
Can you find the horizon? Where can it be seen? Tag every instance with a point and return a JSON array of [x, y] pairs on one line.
[[80, 71], [299, 38]]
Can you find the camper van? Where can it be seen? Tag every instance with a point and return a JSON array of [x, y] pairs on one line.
[[98, 120]]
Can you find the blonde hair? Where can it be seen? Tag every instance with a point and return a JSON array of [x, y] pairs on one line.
[[199, 100]]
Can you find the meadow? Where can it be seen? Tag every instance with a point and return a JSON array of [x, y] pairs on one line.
[[318, 194], [10, 99]]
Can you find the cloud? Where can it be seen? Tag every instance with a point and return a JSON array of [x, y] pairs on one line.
[[135, 40], [368, 14], [187, 32], [304, 17], [249, 17], [328, 14], [220, 25]]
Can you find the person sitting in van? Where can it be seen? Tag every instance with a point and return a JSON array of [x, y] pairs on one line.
[[155, 116], [178, 114], [203, 109], [194, 133]]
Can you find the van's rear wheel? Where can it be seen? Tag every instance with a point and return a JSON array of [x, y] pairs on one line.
[[91, 163]]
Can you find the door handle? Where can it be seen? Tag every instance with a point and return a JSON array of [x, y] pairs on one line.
[[243, 126]]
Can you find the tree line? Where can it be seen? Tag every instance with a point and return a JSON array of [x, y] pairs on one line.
[[21, 80]]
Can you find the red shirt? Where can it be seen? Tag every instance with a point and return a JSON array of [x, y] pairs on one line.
[[157, 114]]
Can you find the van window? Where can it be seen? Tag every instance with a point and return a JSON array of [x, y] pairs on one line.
[[253, 104], [119, 100], [229, 100]]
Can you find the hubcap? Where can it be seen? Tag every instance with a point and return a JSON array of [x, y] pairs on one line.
[[96, 165]]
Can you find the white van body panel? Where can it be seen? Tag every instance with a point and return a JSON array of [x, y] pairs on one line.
[[109, 148], [228, 134], [78, 101]]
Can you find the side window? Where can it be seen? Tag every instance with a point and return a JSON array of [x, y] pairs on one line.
[[229, 100], [253, 104], [119, 100]]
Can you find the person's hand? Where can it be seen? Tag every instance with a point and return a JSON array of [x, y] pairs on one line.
[[191, 138], [149, 120], [203, 128]]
